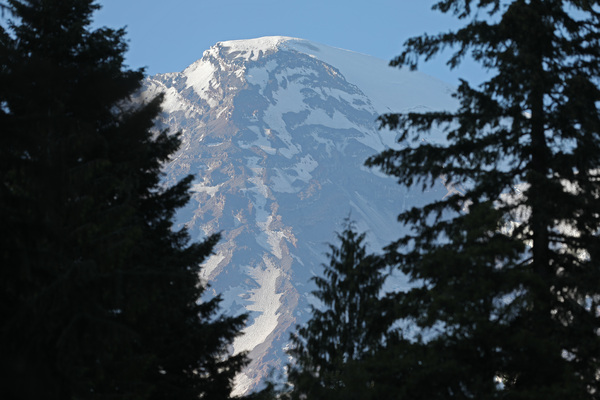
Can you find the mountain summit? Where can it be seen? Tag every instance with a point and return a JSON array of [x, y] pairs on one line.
[[276, 131]]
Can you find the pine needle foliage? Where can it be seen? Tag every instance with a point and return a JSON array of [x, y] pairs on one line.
[[350, 326], [100, 296], [507, 276]]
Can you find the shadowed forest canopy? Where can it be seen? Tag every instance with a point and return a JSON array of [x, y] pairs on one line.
[[99, 295]]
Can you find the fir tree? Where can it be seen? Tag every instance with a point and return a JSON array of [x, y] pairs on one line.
[[331, 351], [99, 296], [507, 277]]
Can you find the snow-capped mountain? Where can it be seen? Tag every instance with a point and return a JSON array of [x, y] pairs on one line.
[[276, 131]]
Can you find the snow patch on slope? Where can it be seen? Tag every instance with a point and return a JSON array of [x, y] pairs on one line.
[[260, 189], [264, 301], [210, 190], [199, 76], [210, 265], [284, 179]]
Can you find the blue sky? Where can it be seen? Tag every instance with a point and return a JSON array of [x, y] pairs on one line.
[[167, 36]]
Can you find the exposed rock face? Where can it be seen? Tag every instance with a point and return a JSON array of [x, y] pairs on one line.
[[276, 131]]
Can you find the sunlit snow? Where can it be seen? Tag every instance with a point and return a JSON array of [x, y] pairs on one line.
[[264, 302]]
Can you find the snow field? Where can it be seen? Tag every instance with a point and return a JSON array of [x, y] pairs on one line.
[[264, 301]]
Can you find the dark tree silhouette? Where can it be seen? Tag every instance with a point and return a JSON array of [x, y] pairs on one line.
[[332, 350], [507, 277], [100, 297]]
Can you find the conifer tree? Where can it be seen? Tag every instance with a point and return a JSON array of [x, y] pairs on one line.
[[507, 277], [331, 351], [100, 297]]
